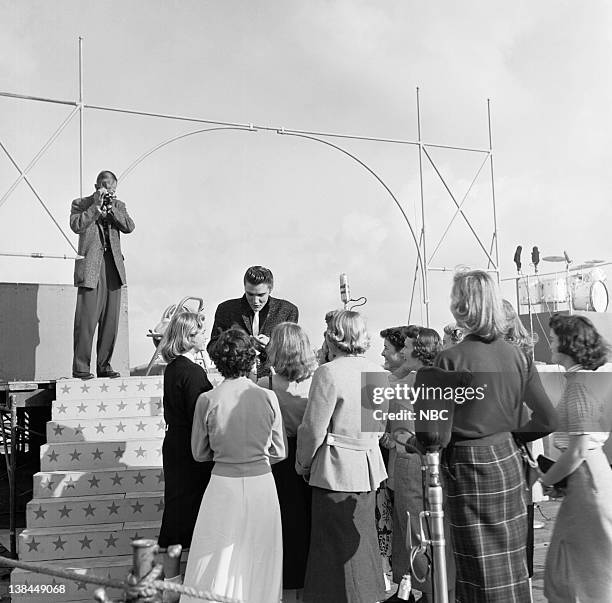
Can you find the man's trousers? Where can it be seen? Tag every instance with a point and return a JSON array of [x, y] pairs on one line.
[[97, 307]]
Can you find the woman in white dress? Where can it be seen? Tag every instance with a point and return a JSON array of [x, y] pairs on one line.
[[236, 549]]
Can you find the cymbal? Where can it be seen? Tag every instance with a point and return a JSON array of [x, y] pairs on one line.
[[594, 262], [554, 258], [584, 266]]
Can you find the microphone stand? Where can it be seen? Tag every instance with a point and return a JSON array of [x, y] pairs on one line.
[[435, 527], [437, 541]]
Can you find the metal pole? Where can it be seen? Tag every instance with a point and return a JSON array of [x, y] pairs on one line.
[[495, 233], [81, 111], [39, 255], [424, 254], [438, 543], [38, 156]]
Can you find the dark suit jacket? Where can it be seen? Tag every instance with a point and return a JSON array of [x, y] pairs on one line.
[[238, 313], [84, 222]]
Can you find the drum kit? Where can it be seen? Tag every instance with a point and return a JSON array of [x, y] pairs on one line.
[[582, 286]]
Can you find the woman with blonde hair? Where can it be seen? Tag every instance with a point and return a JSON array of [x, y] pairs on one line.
[[338, 451], [486, 485], [185, 479], [516, 332], [292, 361]]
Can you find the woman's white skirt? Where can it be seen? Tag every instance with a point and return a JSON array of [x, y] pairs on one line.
[[237, 549]]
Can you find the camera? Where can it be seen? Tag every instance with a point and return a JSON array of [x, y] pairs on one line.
[[107, 201]]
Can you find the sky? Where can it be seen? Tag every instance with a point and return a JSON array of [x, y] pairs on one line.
[[212, 204]]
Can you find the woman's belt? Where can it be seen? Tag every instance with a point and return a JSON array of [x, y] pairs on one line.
[[344, 441], [488, 440]]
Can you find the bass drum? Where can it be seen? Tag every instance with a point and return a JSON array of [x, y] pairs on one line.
[[591, 296]]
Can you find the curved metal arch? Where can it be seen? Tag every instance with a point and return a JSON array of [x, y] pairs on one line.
[[142, 157], [380, 180]]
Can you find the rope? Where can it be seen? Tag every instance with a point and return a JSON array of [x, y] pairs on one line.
[[89, 579]]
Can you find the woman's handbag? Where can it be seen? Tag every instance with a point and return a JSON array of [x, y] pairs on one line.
[[544, 463]]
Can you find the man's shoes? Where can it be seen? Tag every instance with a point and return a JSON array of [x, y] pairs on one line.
[[84, 376], [110, 374]]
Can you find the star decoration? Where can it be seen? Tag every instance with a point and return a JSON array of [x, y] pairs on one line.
[[40, 513], [139, 478], [53, 456], [70, 483], [120, 427], [104, 388], [160, 477], [141, 426], [85, 542], [113, 509], [32, 545], [82, 407], [65, 512], [85, 388], [75, 455], [89, 510], [159, 385], [81, 586], [78, 430], [161, 425], [121, 405], [61, 409], [141, 387], [97, 455], [58, 430], [119, 452], [141, 405], [93, 482], [116, 480], [100, 428], [158, 404], [65, 389], [59, 543], [49, 485], [140, 452], [102, 407], [160, 505], [110, 541], [123, 387], [137, 507]]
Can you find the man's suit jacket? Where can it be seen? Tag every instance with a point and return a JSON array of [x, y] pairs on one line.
[[84, 221], [238, 313]]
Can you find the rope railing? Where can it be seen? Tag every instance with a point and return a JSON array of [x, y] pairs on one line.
[[143, 590]]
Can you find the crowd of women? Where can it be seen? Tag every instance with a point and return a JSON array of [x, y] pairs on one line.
[[273, 485]]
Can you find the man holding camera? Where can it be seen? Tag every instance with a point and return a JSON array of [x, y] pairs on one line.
[[99, 275]]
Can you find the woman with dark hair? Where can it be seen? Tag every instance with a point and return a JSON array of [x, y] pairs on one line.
[[236, 550], [486, 484], [185, 479], [421, 346], [579, 560], [337, 449], [292, 362]]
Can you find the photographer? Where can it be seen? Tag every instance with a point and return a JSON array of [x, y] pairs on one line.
[[98, 220]]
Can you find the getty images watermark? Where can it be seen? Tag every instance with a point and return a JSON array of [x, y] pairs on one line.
[[409, 394]]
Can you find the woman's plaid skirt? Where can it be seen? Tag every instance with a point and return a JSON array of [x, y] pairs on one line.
[[487, 507]]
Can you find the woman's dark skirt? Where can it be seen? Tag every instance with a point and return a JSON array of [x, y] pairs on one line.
[[295, 499], [344, 564], [487, 505], [185, 482]]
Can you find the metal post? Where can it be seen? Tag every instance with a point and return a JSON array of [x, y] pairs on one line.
[[81, 110], [424, 254], [495, 231], [438, 543]]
